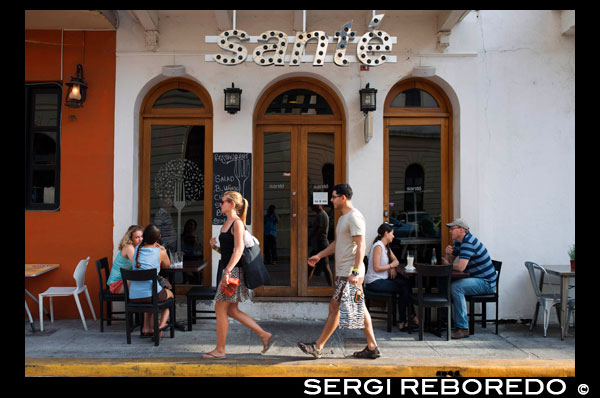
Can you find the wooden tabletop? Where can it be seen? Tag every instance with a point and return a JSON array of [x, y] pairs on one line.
[[560, 270], [188, 266], [32, 270], [455, 274]]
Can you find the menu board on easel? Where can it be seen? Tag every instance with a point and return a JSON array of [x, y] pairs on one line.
[[232, 171]]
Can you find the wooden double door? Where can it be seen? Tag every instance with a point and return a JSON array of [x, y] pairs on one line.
[[296, 167]]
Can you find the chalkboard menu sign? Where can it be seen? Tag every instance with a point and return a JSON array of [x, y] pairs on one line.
[[232, 171]]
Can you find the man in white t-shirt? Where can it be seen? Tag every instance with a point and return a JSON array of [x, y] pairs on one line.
[[349, 248]]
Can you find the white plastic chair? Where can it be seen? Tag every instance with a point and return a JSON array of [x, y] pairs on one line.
[[547, 300], [79, 276]]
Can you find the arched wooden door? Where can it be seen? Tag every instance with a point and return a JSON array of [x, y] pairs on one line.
[[299, 149], [417, 164], [176, 152]]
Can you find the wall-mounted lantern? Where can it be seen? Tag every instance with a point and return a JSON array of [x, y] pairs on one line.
[[233, 99], [76, 90], [368, 99]]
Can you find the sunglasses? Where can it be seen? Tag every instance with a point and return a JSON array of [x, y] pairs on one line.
[[336, 196], [223, 201]]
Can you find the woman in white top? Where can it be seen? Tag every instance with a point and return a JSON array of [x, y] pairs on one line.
[[381, 275]]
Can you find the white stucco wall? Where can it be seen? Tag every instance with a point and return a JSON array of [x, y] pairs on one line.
[[510, 77]]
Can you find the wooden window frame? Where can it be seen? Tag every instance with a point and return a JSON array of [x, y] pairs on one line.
[[150, 116], [423, 116]]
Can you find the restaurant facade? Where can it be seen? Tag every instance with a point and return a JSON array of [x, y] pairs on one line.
[[472, 117]]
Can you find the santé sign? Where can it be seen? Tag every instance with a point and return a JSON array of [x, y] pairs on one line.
[[372, 48]]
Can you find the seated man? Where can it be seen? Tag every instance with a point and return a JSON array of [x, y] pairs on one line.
[[469, 255]]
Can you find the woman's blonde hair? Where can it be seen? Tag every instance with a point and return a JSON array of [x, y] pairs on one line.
[[241, 204], [126, 240]]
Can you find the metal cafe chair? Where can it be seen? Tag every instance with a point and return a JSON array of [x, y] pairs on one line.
[[546, 300]]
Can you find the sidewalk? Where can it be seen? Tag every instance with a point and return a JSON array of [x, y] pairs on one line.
[[66, 349]]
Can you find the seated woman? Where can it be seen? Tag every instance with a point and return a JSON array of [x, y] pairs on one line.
[[124, 258], [150, 255], [382, 276]]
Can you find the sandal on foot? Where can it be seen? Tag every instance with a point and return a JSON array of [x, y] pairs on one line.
[[367, 353], [310, 349], [208, 355]]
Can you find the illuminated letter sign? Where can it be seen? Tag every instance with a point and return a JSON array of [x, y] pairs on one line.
[[272, 46], [239, 52]]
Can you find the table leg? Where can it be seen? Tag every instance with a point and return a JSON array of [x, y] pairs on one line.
[[564, 290], [37, 302], [30, 317], [178, 325]]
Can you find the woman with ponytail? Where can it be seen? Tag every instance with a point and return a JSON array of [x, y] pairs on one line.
[[231, 240], [150, 255], [382, 276]]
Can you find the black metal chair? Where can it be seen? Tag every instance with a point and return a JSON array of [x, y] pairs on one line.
[[154, 307], [198, 293], [433, 300], [484, 299], [106, 296], [390, 299]]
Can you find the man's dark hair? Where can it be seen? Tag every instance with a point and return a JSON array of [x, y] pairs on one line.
[[343, 189]]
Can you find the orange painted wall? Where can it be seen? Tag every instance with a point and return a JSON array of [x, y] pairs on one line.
[[83, 225]]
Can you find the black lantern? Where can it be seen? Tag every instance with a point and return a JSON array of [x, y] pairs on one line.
[[367, 99], [76, 90], [233, 98]]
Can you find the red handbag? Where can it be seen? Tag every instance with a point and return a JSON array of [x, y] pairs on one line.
[[230, 288]]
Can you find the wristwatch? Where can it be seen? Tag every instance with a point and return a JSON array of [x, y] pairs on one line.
[[355, 272]]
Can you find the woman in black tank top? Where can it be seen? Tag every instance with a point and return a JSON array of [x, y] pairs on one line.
[[231, 240]]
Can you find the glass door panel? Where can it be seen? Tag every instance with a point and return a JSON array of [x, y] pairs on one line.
[[415, 189], [277, 207], [320, 173], [177, 166]]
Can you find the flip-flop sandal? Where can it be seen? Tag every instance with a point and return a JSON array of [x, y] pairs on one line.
[[147, 335], [268, 346], [208, 355]]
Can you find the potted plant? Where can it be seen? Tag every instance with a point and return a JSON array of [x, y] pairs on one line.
[[572, 257]]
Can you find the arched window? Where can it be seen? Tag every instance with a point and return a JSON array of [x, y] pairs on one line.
[[299, 102], [414, 98], [178, 98]]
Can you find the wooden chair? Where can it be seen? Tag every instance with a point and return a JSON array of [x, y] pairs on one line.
[[484, 299], [194, 294], [390, 299], [433, 300], [154, 307], [106, 296]]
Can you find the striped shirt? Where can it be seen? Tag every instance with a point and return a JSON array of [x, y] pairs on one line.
[[480, 264]]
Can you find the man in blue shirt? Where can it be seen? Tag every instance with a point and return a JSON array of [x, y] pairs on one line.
[[467, 254]]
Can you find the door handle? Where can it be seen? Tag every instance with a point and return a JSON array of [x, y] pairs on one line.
[[294, 204]]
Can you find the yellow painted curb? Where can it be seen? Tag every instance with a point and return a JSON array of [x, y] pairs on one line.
[[247, 367]]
